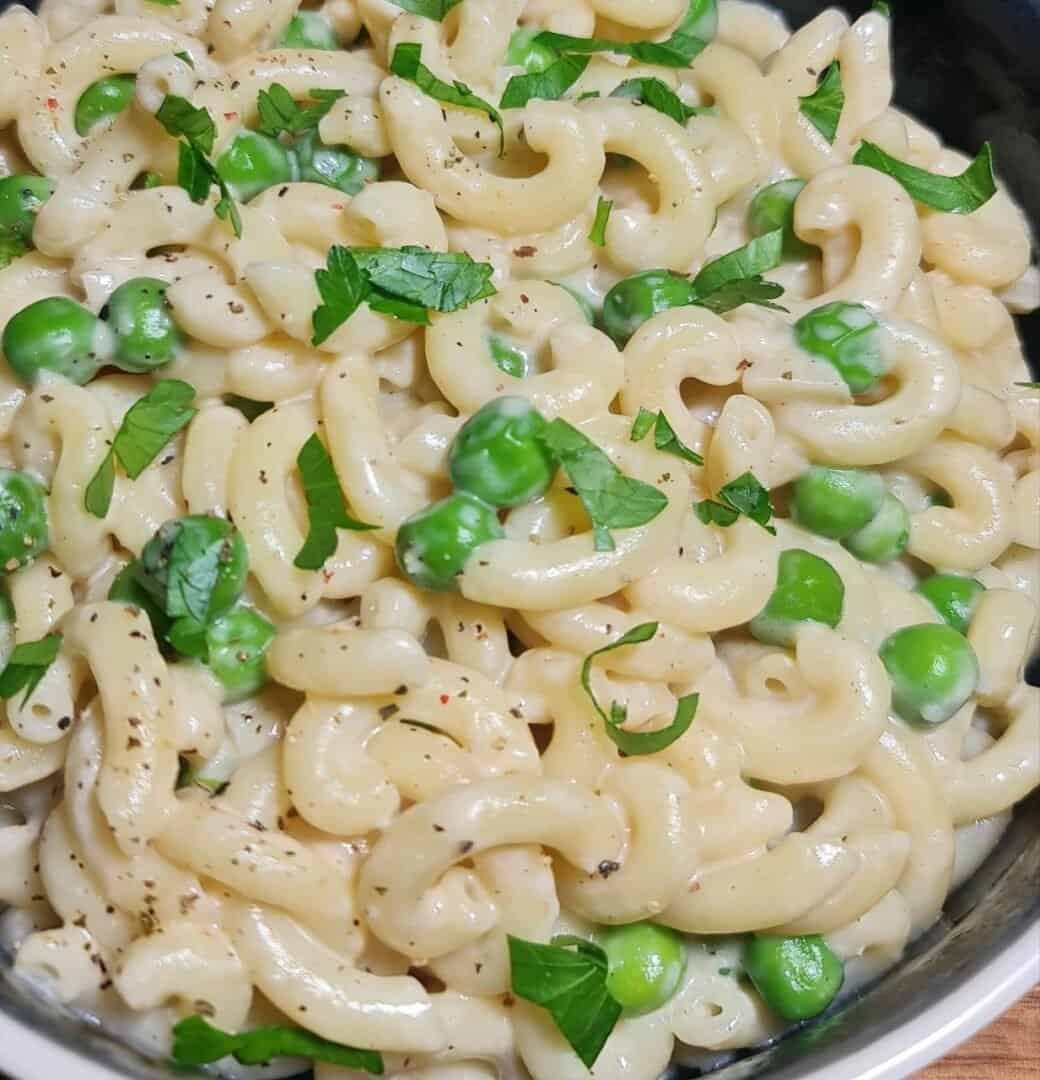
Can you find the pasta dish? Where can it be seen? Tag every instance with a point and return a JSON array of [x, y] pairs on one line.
[[519, 527]]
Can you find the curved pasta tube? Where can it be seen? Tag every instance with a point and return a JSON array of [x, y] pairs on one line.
[[990, 247], [110, 43], [674, 235], [928, 388], [135, 786], [19, 844], [65, 957], [684, 343], [1026, 528], [429, 158], [727, 154], [978, 527], [877, 939], [194, 964], [512, 573], [78, 424], [728, 587], [209, 449], [660, 855], [23, 762], [301, 975], [341, 661], [776, 887], [267, 866], [807, 741], [745, 440], [983, 418], [866, 75], [521, 880], [854, 197], [900, 768], [23, 41], [238, 27], [541, 317], [262, 468], [379, 487], [422, 906], [743, 94], [334, 784], [1001, 632], [41, 594], [993, 781]]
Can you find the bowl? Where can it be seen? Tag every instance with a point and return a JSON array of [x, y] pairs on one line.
[[969, 70]]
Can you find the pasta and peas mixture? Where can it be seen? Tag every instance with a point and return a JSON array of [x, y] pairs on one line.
[[520, 526]]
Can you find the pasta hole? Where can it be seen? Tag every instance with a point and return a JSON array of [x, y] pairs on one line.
[[165, 249], [628, 185], [775, 685], [10, 816], [806, 811], [41, 712]]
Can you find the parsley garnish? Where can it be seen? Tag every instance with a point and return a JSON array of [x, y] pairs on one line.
[[279, 113], [430, 9], [550, 84], [665, 438], [612, 500], [403, 282], [407, 64], [148, 426], [882, 8], [1029, 385], [822, 108], [736, 278], [195, 172], [598, 232], [196, 1042], [569, 980], [746, 496], [27, 665], [658, 95], [962, 194], [326, 506], [165, 3], [678, 50], [637, 743]]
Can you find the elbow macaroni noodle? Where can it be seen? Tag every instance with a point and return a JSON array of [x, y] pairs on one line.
[[390, 806]]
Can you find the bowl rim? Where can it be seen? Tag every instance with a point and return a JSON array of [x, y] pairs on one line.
[[953, 1018]]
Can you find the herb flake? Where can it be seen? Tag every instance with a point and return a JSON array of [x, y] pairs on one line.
[[822, 108], [549, 85], [598, 232], [27, 666], [746, 496]]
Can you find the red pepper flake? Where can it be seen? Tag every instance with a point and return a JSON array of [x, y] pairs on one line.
[[52, 103], [445, 699], [230, 115], [338, 206]]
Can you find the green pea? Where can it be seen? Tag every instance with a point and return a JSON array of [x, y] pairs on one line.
[[798, 977], [637, 298], [176, 566], [309, 30], [847, 336], [933, 669], [56, 335], [586, 307], [499, 456], [954, 597], [511, 361], [885, 537], [645, 964], [21, 197], [236, 644], [433, 545], [773, 208], [146, 335], [23, 519], [253, 163], [836, 502], [103, 99], [334, 166], [128, 590], [808, 589], [525, 52]]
